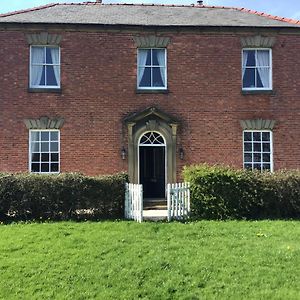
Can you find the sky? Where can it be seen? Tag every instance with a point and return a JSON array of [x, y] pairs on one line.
[[283, 8]]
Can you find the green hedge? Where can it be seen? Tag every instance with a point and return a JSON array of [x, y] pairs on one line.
[[61, 197], [223, 193]]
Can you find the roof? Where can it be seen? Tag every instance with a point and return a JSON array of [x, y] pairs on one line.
[[145, 15]]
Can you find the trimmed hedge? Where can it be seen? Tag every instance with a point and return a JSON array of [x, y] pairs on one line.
[[224, 193], [61, 197]]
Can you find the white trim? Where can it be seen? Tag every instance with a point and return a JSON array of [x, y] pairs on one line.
[[54, 65], [166, 154], [29, 150], [165, 67], [270, 73], [271, 149]]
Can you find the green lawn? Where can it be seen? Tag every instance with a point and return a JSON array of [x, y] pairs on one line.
[[126, 260]]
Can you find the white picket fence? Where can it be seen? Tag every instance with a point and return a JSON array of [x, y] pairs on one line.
[[178, 200], [134, 202]]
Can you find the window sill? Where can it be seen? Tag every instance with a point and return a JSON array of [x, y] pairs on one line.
[[154, 91], [45, 90], [257, 92]]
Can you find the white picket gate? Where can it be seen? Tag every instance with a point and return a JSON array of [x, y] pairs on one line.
[[134, 202], [178, 200]]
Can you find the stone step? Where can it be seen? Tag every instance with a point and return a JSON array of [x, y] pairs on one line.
[[155, 204]]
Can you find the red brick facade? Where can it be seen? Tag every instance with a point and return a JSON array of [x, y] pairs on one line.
[[98, 78]]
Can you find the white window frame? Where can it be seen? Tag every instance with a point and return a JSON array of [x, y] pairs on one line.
[[270, 71], [45, 64], [29, 150], [271, 149], [166, 73]]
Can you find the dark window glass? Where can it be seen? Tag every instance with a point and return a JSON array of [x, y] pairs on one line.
[[251, 58], [266, 166], [148, 61], [54, 157], [45, 167], [247, 136], [54, 167], [248, 157], [35, 167], [266, 147], [35, 157], [266, 157], [248, 166], [157, 78], [48, 56], [45, 157], [51, 79], [257, 157], [266, 136], [257, 166], [249, 78], [256, 136], [146, 79], [248, 147], [257, 147]]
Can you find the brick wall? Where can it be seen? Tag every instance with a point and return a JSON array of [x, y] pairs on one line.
[[99, 90]]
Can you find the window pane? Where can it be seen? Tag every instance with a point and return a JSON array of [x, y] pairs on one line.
[[249, 78], [263, 58], [35, 157], [248, 147], [257, 157], [266, 136], [251, 58], [35, 167], [263, 77], [54, 136], [247, 136], [266, 167], [37, 55], [45, 135], [248, 157], [51, 75], [256, 136], [248, 166], [45, 167], [158, 57], [45, 147], [257, 147], [257, 166], [266, 147], [45, 157], [35, 136], [266, 157], [54, 167], [54, 157], [146, 78], [35, 147], [144, 57], [48, 55], [158, 74], [54, 147], [37, 75]]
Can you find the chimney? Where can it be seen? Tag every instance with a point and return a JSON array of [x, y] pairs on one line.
[[200, 2]]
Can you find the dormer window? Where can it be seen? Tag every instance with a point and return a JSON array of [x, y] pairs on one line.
[[257, 69], [44, 67]]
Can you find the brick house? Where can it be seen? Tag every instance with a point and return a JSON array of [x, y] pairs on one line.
[[102, 88]]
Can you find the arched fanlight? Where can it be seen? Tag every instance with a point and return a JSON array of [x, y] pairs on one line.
[[152, 138]]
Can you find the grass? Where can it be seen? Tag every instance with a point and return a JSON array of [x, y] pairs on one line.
[[126, 260]]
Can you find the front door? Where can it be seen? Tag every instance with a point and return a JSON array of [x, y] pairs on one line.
[[152, 171]]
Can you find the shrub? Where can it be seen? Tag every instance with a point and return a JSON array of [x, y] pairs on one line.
[[61, 197], [221, 193]]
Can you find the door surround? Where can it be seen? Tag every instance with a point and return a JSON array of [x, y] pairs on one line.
[[151, 119]]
